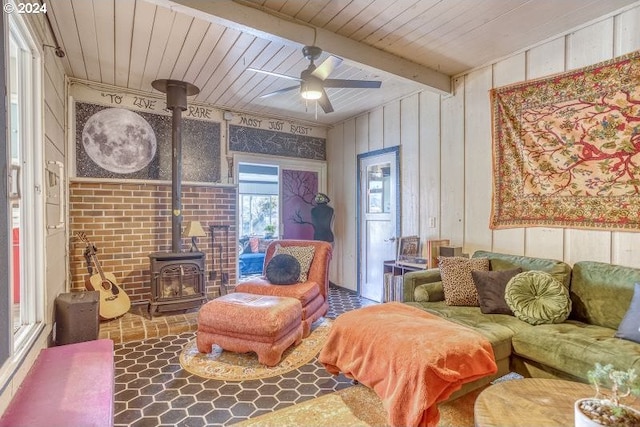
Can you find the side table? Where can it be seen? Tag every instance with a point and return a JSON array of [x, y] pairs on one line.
[[531, 402]]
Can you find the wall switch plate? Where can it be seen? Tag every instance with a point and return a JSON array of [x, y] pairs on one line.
[[432, 222]]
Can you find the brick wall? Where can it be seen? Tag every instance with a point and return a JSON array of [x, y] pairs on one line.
[[127, 222]]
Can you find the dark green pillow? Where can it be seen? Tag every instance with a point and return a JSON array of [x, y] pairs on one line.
[[537, 298], [283, 269]]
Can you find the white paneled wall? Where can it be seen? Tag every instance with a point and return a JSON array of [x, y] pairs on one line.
[[446, 159]]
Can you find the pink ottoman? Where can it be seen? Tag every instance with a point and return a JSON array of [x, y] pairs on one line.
[[240, 322]]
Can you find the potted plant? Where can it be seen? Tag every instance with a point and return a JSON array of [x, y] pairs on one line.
[[269, 229], [606, 409]]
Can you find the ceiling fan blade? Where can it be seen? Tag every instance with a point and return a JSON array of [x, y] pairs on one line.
[[324, 69], [325, 103], [279, 91], [271, 73], [362, 84]]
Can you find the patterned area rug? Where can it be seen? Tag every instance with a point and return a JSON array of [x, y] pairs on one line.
[[356, 406], [229, 366]]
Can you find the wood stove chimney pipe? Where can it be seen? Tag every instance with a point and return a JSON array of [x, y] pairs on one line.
[[177, 92]]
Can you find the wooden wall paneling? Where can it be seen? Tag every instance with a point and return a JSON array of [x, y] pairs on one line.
[[452, 165], [477, 160], [545, 60], [429, 166], [588, 46], [106, 39], [627, 32], [391, 122], [624, 248], [362, 134], [349, 242], [54, 130], [409, 166], [376, 129], [140, 40], [177, 41], [336, 184], [53, 101], [507, 71]]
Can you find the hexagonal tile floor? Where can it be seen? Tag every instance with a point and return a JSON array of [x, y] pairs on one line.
[[153, 390]]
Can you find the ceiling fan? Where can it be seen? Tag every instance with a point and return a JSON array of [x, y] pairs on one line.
[[313, 80]]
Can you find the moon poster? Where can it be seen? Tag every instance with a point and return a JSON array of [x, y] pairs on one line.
[[121, 143]]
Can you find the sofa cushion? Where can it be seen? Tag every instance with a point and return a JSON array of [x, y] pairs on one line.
[[429, 292], [537, 297], [497, 328], [304, 255], [628, 328], [457, 282], [574, 347], [558, 269], [601, 292], [490, 286], [283, 269]]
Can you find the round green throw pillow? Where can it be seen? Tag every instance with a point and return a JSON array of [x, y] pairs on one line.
[[537, 297]]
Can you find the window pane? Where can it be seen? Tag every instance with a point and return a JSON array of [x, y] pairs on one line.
[[378, 189]]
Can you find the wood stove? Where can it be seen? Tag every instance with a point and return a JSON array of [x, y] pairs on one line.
[[177, 281], [177, 278]]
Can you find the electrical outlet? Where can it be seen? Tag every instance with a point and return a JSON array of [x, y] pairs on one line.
[[212, 275], [432, 222]]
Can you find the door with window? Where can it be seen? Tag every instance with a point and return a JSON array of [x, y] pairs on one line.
[[25, 204], [378, 213]]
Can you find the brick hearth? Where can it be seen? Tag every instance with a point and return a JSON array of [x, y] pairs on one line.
[[127, 222]]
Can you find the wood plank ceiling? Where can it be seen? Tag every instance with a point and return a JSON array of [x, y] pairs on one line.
[[130, 43]]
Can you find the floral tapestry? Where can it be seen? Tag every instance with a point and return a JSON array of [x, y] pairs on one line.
[[566, 149]]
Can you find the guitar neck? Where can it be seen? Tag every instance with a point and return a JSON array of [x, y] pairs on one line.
[[98, 267]]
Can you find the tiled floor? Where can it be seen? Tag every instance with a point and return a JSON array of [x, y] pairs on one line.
[[153, 390]]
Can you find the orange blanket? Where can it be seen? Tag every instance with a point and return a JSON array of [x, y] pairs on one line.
[[410, 358]]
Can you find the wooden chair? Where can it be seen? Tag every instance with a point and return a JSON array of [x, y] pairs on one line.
[[312, 294]]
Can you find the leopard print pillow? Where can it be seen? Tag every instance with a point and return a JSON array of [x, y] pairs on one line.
[[304, 255], [457, 282]]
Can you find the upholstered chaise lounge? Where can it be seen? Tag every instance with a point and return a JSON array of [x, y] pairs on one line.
[[311, 293]]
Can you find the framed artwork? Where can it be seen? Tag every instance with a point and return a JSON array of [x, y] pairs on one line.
[[433, 247], [408, 248]]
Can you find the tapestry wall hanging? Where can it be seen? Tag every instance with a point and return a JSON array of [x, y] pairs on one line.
[[125, 144], [566, 149]]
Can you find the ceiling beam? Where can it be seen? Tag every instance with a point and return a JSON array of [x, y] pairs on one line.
[[265, 25]]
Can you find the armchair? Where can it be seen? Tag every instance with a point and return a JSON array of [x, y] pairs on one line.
[[312, 294]]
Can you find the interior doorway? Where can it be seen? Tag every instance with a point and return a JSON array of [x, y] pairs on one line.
[[378, 213], [275, 197]]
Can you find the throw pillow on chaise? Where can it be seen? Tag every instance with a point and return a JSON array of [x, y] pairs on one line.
[[283, 269], [304, 255]]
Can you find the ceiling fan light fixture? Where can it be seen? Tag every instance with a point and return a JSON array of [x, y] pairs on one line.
[[311, 90]]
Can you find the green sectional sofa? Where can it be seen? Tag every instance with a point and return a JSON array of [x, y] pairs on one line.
[[600, 295]]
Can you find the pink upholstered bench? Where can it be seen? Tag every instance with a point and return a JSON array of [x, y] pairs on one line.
[[240, 322], [70, 385]]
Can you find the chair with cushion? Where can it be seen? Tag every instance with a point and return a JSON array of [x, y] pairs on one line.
[[312, 286]]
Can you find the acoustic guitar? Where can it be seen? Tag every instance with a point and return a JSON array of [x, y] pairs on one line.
[[114, 301]]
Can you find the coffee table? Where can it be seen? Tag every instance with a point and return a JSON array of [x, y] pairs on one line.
[[531, 402]]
